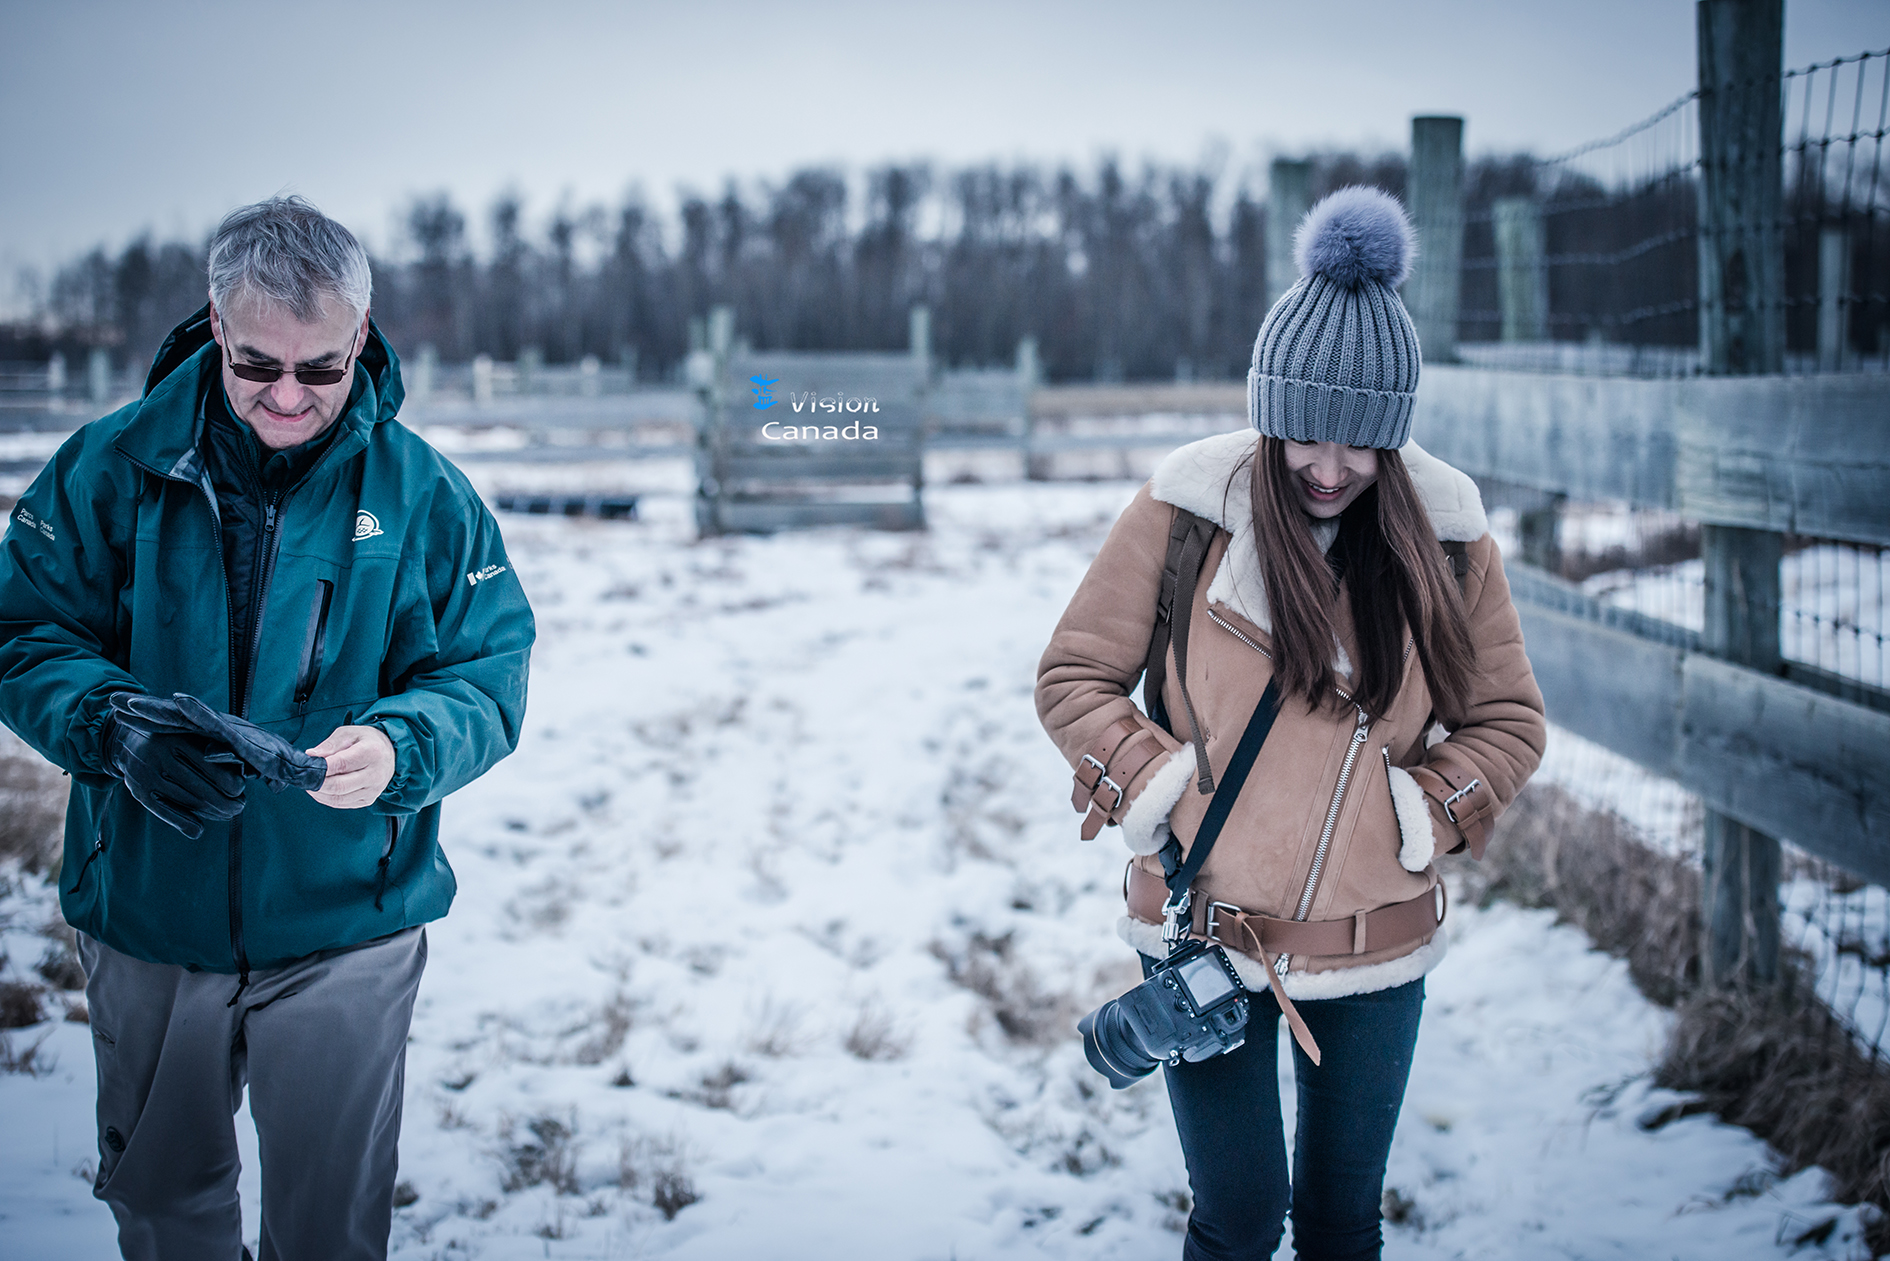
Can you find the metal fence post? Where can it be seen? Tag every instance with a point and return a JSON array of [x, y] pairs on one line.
[[1435, 192], [1522, 282], [1289, 197], [1742, 332]]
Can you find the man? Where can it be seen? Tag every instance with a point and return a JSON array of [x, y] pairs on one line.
[[256, 570]]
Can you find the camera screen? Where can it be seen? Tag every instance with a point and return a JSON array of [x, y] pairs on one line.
[[1206, 980]]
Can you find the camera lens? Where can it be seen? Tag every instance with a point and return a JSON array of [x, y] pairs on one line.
[[1110, 1045]]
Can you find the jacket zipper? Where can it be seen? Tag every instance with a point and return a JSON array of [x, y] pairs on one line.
[[1360, 732], [387, 856], [317, 635], [240, 956], [98, 847], [270, 542]]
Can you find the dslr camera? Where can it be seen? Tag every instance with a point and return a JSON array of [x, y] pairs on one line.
[[1192, 1007]]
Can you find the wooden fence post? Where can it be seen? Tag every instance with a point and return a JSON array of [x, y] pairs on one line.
[[1541, 531], [1834, 273], [919, 339], [1435, 193], [530, 368], [1522, 282], [1742, 332], [56, 374], [98, 375], [1742, 246], [425, 364], [1289, 197]]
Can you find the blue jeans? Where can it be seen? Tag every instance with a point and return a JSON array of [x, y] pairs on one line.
[[1227, 1110]]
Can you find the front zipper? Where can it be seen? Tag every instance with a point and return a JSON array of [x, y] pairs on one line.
[[272, 538], [1360, 732], [271, 543]]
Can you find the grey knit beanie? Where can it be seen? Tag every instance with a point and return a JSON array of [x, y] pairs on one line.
[[1337, 356]]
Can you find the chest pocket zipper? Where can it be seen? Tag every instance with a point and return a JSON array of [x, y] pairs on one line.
[[314, 642]]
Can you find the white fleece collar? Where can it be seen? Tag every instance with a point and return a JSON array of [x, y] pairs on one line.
[[1210, 479]]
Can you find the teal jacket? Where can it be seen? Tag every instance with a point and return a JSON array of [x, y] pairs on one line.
[[389, 601]]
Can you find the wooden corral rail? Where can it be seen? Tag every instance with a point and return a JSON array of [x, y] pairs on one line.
[[1779, 754], [1806, 455]]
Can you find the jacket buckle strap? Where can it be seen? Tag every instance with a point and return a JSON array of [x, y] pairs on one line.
[[1210, 927], [1358, 932], [1457, 796]]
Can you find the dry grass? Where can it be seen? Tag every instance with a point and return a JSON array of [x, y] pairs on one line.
[[660, 1165], [1775, 1060], [1023, 1008], [20, 1004], [32, 808], [610, 1028], [1633, 902], [1779, 1063], [875, 1036], [547, 1157]]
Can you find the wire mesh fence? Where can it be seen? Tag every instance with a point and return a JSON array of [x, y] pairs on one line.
[[1589, 261]]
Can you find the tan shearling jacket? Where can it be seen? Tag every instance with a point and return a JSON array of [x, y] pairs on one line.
[[1364, 789]]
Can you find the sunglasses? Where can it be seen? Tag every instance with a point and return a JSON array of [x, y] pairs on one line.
[[306, 376]]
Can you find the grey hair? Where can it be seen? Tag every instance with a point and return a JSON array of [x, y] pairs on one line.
[[284, 250]]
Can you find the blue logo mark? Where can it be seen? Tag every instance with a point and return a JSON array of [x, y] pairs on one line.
[[763, 399]]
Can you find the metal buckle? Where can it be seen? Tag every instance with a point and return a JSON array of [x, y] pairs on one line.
[[1102, 772], [1211, 927], [1457, 796], [1106, 782], [1172, 911]]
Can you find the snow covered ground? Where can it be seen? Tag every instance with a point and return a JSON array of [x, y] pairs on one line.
[[780, 906]]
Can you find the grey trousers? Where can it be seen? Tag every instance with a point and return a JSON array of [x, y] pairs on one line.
[[321, 1044]]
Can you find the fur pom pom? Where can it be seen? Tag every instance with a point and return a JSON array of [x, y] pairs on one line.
[[1354, 235]]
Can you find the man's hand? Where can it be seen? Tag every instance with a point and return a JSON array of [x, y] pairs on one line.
[[360, 762]]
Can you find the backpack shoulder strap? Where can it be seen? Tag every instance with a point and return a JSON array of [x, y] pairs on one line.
[[1459, 554], [1188, 539]]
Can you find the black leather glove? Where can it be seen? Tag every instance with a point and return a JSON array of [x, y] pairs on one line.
[[279, 764], [182, 778]]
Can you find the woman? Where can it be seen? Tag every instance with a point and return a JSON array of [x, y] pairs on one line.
[[1357, 574]]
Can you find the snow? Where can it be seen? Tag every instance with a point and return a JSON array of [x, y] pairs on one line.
[[771, 797]]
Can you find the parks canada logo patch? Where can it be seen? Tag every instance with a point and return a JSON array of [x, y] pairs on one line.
[[365, 526]]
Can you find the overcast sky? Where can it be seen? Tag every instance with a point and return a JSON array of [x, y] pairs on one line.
[[116, 117]]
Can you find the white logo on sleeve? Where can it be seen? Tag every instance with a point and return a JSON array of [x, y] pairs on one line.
[[365, 525], [31, 522], [478, 576]]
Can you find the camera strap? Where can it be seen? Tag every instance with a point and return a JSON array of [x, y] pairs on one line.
[[1179, 873]]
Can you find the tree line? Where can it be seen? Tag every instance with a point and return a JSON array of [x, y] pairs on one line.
[[1118, 274]]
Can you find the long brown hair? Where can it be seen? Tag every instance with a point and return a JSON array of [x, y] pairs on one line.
[[1396, 573]]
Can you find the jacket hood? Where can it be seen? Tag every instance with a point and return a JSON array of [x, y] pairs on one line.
[[377, 359]]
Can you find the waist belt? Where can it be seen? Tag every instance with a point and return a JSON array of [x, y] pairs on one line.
[[1386, 928]]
